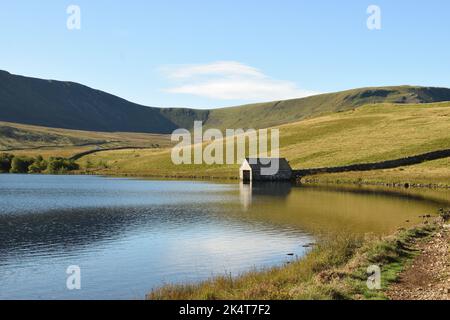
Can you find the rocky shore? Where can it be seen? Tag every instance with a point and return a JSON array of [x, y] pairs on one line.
[[428, 277]]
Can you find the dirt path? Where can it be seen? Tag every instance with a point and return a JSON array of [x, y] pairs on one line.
[[428, 278]]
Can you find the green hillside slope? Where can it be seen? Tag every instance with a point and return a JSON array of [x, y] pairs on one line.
[[263, 115], [371, 133]]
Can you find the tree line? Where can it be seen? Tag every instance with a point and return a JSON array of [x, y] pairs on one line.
[[10, 163]]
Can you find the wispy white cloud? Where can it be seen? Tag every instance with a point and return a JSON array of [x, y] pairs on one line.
[[230, 80], [220, 68]]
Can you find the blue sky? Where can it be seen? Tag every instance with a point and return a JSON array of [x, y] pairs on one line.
[[220, 53]]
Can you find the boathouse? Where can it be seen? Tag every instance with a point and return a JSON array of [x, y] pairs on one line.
[[262, 169]]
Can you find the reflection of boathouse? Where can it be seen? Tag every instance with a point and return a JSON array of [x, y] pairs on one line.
[[265, 169], [274, 190]]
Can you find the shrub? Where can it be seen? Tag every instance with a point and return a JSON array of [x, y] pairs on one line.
[[61, 165], [21, 164], [39, 165], [5, 162], [15, 164]]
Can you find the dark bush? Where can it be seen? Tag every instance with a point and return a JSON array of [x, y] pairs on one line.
[[5, 162], [61, 165], [16, 164], [21, 164], [39, 165]]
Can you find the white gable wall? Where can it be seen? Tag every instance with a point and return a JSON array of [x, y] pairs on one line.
[[244, 167]]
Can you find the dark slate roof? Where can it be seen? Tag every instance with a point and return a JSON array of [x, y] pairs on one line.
[[257, 163]]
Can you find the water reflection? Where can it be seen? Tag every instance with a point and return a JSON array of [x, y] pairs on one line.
[[131, 235], [264, 190], [245, 193], [127, 236], [339, 209]]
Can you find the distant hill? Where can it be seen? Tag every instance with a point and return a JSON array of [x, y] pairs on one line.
[[263, 115], [70, 105]]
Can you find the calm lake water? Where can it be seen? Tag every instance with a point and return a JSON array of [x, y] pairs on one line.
[[129, 236]]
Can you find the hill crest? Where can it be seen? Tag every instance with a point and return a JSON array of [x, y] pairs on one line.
[[69, 105]]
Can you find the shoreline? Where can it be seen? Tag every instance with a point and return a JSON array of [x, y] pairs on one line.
[[428, 275], [309, 180], [357, 182], [334, 270]]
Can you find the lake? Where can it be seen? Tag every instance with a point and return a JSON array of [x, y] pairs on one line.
[[131, 235]]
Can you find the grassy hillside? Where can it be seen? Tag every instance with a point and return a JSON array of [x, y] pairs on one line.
[[33, 140], [367, 134], [12, 136], [433, 173], [263, 115], [70, 105]]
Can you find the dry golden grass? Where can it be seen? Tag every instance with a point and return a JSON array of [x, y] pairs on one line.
[[31, 140], [65, 152], [433, 173], [297, 280], [367, 134]]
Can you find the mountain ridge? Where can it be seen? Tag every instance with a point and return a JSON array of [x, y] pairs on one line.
[[70, 105]]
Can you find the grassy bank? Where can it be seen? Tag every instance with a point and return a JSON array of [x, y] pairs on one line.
[[335, 269]]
